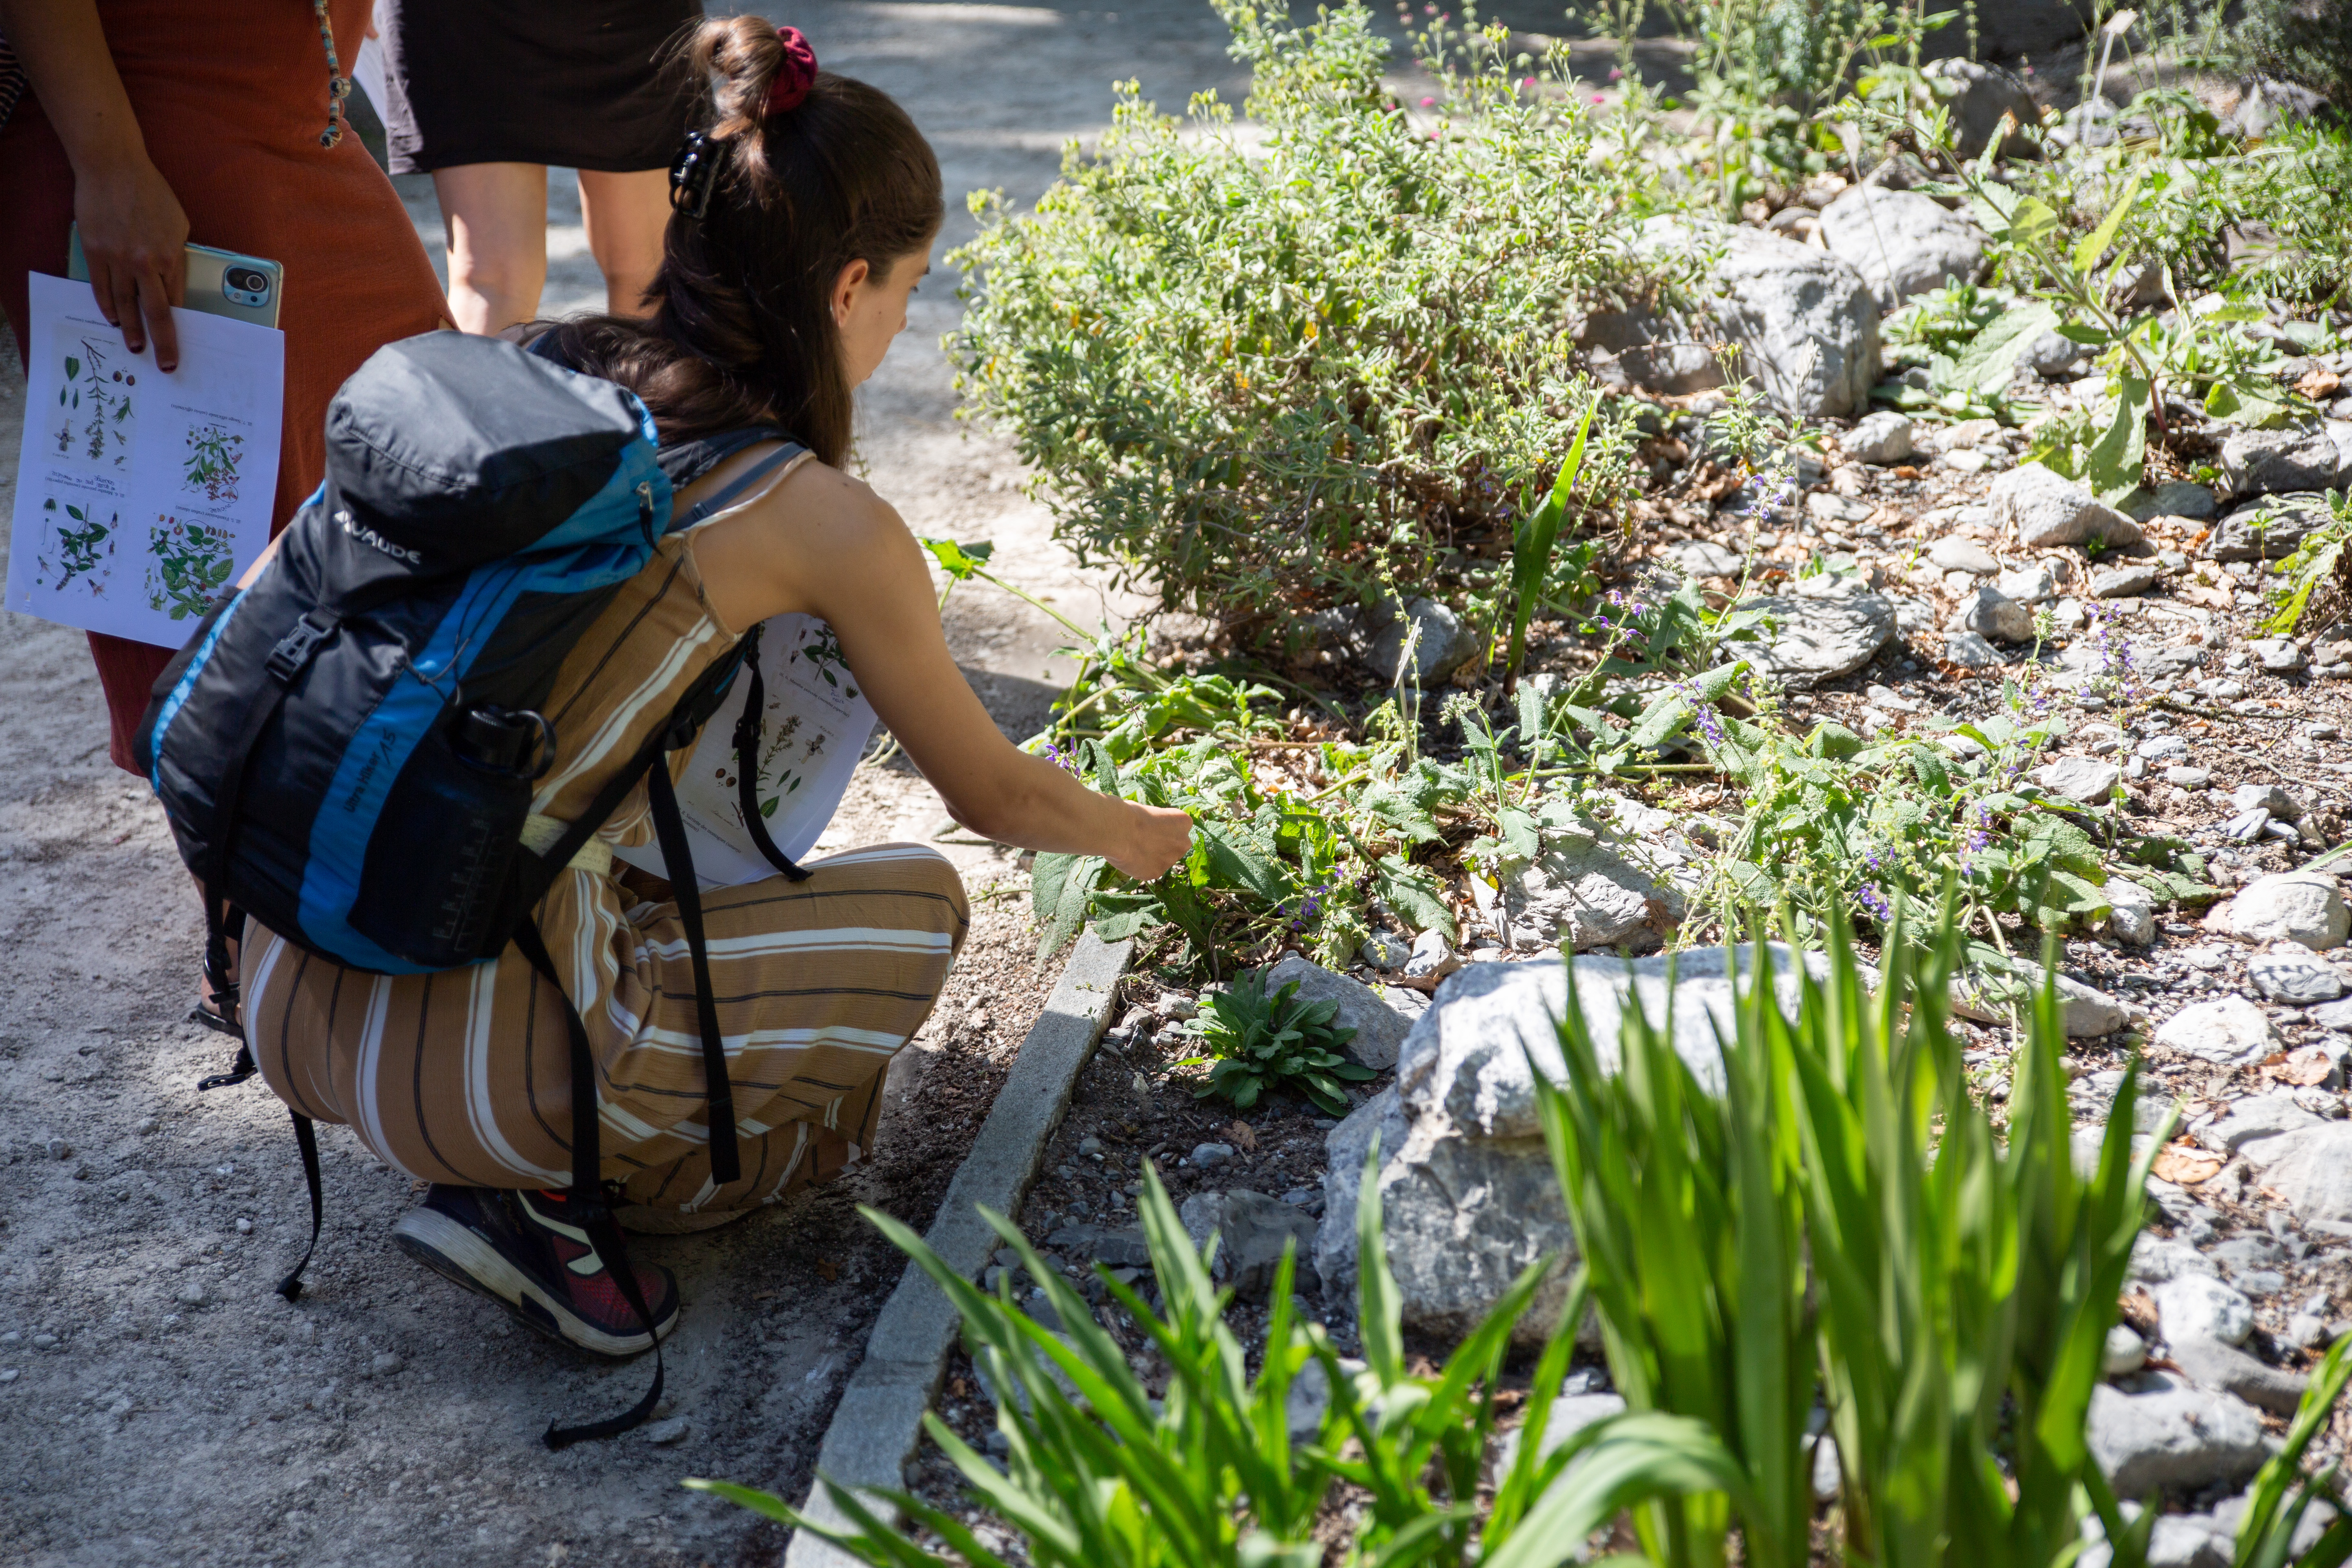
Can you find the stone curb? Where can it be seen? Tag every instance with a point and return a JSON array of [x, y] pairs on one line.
[[876, 1424]]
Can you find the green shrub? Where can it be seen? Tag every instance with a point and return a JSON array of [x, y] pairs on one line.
[[2306, 41], [1263, 375]]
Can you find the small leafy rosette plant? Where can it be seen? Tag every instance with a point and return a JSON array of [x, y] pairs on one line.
[[1259, 1042]]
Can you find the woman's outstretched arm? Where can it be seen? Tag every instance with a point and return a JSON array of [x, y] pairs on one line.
[[822, 544]]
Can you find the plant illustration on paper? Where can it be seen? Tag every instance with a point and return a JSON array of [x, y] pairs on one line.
[[188, 564], [79, 542], [209, 466], [93, 421]]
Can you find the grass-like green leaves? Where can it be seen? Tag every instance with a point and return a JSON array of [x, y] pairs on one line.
[[1260, 1042]]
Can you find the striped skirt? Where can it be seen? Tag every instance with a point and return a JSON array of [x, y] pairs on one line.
[[463, 1076]]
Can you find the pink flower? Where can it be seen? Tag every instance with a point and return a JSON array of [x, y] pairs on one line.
[[1600, 98], [1615, 74], [1529, 82], [1428, 102]]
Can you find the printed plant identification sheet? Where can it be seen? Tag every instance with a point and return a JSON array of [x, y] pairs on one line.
[[140, 496], [815, 727]]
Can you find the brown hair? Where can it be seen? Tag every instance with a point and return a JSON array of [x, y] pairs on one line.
[[742, 330]]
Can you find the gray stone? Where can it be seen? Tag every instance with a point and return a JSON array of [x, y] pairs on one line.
[[2048, 509], [2212, 1363], [192, 1293], [383, 1363], [2267, 530], [1208, 1156], [2188, 778], [2084, 779], [1805, 323], [2155, 1260], [2333, 1015], [1962, 555], [1969, 651], [1431, 959], [2124, 1354], [2278, 656], [2127, 580], [2290, 906], [1982, 96], [1705, 558], [1587, 894], [1440, 643], [1383, 950], [2052, 355], [2033, 584], [2179, 1542], [2193, 1306], [2175, 498], [2162, 1432], [2131, 915], [2311, 1170], [664, 1433], [1816, 639], [1833, 510], [1880, 438], [2226, 1032], [1380, 1029], [2267, 797], [1466, 1186], [1252, 1230], [1121, 1247], [2295, 975], [1901, 242], [2273, 462], [2256, 1116], [2086, 1011], [1656, 350]]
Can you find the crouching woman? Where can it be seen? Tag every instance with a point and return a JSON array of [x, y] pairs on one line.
[[807, 220]]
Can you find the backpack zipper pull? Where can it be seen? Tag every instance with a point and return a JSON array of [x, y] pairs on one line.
[[646, 508]]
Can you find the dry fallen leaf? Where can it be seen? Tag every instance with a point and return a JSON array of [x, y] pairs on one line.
[[2319, 384], [1242, 1136], [827, 1268], [2185, 1164], [2214, 597], [2310, 1066]]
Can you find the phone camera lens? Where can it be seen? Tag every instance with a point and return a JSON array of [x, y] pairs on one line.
[[247, 278]]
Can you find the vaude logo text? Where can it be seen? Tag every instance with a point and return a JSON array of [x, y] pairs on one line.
[[368, 536]]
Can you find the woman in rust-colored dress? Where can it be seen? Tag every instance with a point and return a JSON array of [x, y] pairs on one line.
[[154, 122]]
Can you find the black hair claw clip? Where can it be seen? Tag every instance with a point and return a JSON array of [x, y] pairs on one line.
[[693, 173]]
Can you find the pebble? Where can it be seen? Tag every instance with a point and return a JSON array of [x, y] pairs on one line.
[[1962, 556], [2294, 974], [2124, 1353], [148, 1124], [192, 1293], [1205, 1156], [2193, 1306], [44, 1341], [2290, 906], [1383, 950], [245, 1227], [2083, 779], [2226, 1032], [2279, 656], [2162, 1432], [1991, 614], [383, 1363], [2126, 582], [2033, 584], [1431, 958], [59, 1149], [665, 1433], [1090, 1145], [2189, 777], [2161, 748], [1878, 439]]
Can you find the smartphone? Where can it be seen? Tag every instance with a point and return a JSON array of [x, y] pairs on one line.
[[220, 282]]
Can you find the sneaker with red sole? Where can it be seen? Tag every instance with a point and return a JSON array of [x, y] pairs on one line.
[[522, 1251]]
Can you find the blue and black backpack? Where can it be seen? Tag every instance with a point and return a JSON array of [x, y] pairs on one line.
[[346, 749]]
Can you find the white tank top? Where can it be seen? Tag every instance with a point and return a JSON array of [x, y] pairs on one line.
[[816, 728]]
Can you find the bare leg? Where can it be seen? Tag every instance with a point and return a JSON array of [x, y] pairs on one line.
[[625, 216], [497, 219]]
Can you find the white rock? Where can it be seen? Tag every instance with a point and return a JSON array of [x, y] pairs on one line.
[[2227, 1031], [2048, 509], [1383, 950], [2156, 1258], [1963, 556], [2163, 1432], [1380, 1029], [2252, 1118], [1441, 642], [2131, 919], [1431, 958], [1589, 895], [1814, 639], [2084, 1011], [1990, 612], [1806, 323], [1969, 651], [2311, 1170], [2034, 584], [2124, 1353], [1879, 438], [2295, 976], [2084, 779], [2193, 1306], [1901, 242], [2290, 906], [2270, 462]]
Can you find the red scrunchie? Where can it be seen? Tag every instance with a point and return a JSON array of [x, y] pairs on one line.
[[794, 75]]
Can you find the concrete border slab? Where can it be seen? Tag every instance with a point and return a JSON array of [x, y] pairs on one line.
[[876, 1424]]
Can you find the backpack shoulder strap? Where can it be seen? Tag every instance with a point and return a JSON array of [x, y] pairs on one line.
[[728, 493]]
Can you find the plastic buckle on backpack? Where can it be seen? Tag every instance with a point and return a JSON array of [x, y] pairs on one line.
[[295, 648]]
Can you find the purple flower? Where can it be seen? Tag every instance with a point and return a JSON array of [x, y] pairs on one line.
[[1875, 902]]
